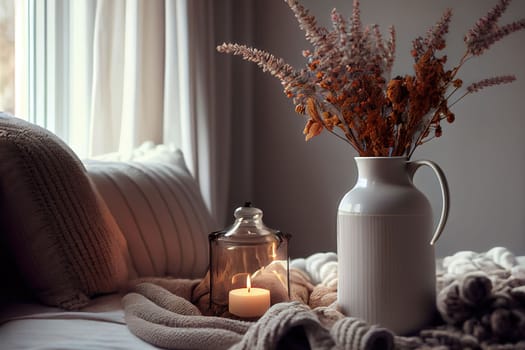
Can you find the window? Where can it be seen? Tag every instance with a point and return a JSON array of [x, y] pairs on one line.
[[103, 75], [7, 56], [48, 40]]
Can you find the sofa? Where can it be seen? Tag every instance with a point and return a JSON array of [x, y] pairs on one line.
[[74, 233], [77, 236]]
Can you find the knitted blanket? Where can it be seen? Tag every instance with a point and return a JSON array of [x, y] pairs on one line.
[[171, 321], [481, 300]]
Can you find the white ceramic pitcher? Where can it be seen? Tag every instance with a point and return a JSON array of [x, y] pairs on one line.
[[385, 245]]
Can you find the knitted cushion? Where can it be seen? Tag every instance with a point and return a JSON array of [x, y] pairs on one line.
[[159, 208], [65, 243]]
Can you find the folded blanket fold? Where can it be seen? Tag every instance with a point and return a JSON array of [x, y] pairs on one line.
[[354, 333], [275, 325], [166, 300], [182, 287], [181, 338]]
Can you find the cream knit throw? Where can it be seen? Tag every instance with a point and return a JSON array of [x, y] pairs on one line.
[[164, 319]]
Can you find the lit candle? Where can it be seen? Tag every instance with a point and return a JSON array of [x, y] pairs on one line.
[[249, 302]]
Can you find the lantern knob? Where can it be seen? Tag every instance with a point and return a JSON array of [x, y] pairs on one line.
[[247, 212]]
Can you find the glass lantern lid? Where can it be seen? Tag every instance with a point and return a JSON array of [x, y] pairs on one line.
[[248, 228]]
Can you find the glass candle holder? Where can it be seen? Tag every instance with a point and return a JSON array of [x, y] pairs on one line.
[[249, 266]]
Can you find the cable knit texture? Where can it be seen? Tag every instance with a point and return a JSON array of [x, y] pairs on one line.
[[66, 245], [481, 301], [167, 320]]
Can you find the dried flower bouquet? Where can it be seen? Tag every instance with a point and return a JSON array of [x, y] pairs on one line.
[[347, 89]]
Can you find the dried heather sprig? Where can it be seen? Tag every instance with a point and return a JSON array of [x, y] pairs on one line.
[[357, 26], [495, 13], [488, 22], [486, 31], [418, 47], [504, 79], [344, 38], [391, 55], [268, 62], [340, 25], [314, 34], [380, 46], [435, 37], [484, 42]]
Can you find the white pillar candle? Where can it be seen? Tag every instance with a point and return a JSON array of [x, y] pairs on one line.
[[249, 302]]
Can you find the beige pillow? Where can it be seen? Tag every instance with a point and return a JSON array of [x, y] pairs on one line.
[[159, 208], [65, 244]]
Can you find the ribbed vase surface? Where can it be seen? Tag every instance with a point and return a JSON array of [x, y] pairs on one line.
[[386, 260]]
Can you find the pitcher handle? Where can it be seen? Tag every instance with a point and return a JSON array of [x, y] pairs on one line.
[[413, 166]]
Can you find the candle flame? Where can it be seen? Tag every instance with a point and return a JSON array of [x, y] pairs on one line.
[[248, 283]]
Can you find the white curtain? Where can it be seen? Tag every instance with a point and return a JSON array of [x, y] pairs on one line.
[[128, 75], [154, 80]]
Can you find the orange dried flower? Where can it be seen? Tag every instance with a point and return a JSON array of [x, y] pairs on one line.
[[457, 83], [312, 128], [438, 131], [394, 91], [311, 109], [300, 109], [330, 120]]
